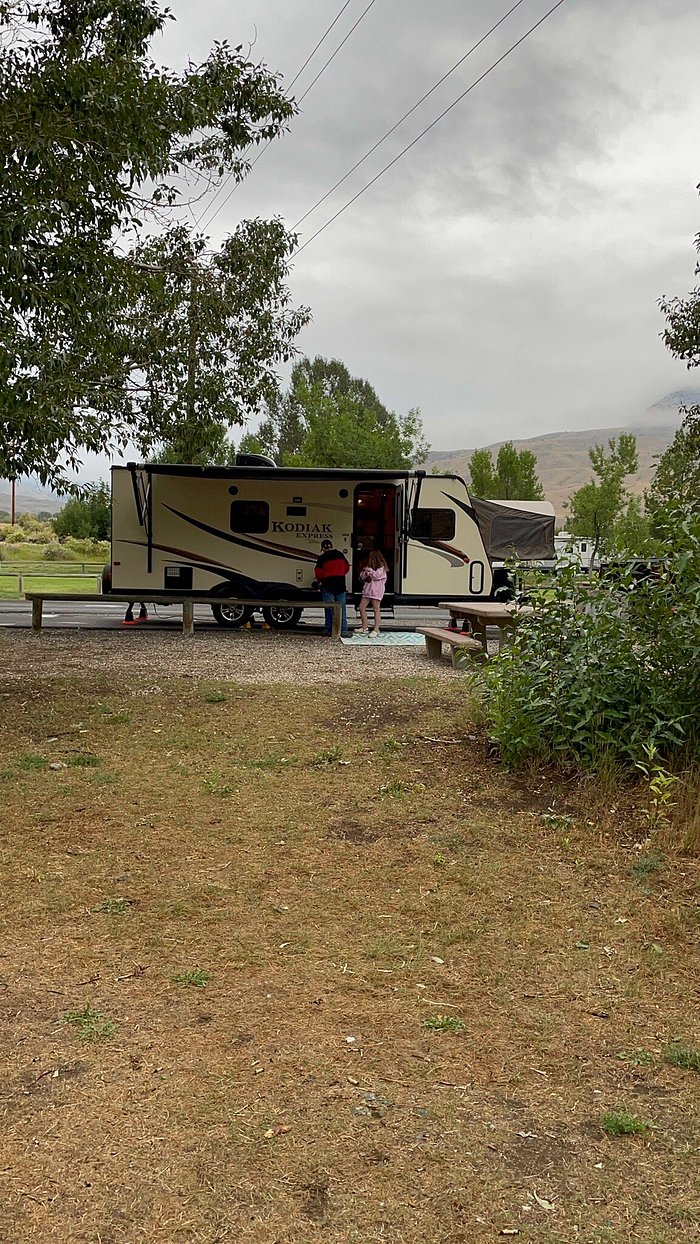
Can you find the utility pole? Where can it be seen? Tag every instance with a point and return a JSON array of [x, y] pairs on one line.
[[13, 501]]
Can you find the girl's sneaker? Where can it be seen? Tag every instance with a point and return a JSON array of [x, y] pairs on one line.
[[361, 630], [374, 634]]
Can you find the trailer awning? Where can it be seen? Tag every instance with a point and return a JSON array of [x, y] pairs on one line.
[[511, 532]]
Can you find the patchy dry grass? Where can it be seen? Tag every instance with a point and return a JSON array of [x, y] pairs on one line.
[[338, 872]]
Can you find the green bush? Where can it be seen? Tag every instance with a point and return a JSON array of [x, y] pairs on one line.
[[53, 553], [86, 550], [600, 672], [28, 530]]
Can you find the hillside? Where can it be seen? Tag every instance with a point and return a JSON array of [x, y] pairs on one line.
[[30, 500], [563, 464]]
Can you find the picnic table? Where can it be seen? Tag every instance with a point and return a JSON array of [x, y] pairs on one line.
[[482, 613]]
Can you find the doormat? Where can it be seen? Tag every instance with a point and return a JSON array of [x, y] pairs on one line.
[[385, 639]]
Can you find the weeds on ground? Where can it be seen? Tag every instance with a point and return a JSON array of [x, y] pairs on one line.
[[215, 697], [660, 784], [685, 1056], [622, 1123], [113, 906], [444, 1023], [90, 1025], [196, 977], [557, 820], [637, 1058], [329, 756], [31, 761], [84, 760], [397, 789], [391, 747], [265, 762], [214, 787], [646, 865]]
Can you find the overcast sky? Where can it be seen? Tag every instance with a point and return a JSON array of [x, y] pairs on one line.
[[503, 275]]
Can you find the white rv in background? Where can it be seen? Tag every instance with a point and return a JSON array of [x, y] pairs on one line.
[[570, 551], [254, 531]]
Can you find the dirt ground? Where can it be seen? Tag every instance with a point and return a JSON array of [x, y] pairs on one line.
[[287, 963]]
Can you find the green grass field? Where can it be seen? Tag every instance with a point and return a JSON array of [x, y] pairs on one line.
[[9, 583]]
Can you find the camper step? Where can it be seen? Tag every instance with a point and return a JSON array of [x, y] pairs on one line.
[[435, 637]]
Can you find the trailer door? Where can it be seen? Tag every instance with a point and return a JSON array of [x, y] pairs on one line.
[[374, 527]]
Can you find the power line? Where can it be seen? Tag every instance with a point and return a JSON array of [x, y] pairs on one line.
[[406, 115], [298, 74], [302, 97], [430, 127], [315, 50], [340, 45]]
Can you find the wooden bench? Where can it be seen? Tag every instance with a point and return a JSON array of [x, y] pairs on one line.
[[162, 598], [460, 644]]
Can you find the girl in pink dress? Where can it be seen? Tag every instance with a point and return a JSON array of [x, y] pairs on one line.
[[374, 577]]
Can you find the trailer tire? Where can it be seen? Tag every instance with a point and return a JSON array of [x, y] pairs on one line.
[[231, 615], [106, 580], [282, 617]]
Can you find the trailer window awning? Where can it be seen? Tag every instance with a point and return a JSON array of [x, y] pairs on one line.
[[509, 532]]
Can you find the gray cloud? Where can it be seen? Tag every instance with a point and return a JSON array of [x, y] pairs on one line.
[[504, 274]]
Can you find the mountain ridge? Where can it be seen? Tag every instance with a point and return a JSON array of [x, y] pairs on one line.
[[563, 464]]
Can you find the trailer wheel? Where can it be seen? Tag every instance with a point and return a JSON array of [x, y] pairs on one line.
[[281, 617], [106, 580], [232, 615]]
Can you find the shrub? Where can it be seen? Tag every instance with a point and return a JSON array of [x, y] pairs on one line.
[[53, 553], [86, 550], [30, 530], [600, 673]]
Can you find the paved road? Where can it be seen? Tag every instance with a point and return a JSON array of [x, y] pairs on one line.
[[97, 616]]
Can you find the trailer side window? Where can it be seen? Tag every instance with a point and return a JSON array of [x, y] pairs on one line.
[[252, 517], [433, 525]]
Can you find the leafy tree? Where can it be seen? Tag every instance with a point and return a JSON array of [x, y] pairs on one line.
[[98, 145], [203, 335], [677, 477], [596, 508], [682, 334], [329, 418], [88, 517], [676, 482], [514, 477], [633, 535]]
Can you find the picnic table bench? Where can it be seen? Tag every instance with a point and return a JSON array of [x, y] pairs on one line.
[[436, 636], [187, 602]]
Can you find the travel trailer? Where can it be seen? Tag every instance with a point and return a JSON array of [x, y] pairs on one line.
[[253, 531], [570, 551]]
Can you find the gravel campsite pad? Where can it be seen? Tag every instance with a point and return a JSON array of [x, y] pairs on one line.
[[287, 964], [244, 656]]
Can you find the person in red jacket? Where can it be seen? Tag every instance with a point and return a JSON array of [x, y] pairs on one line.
[[331, 569]]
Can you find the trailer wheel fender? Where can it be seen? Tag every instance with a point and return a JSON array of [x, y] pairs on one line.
[[282, 617], [231, 615]]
